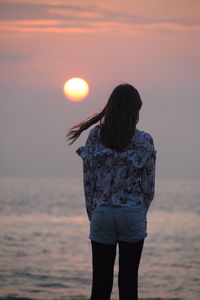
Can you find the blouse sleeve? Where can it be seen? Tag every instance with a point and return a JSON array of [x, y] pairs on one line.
[[88, 174], [148, 179], [89, 184]]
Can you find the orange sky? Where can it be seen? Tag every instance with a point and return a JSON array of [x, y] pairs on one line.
[[154, 45]]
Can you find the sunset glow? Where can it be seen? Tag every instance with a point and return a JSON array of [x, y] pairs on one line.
[[76, 89]]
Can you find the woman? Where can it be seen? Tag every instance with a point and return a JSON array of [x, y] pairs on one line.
[[119, 175]]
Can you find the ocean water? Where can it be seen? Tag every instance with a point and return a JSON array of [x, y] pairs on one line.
[[45, 251]]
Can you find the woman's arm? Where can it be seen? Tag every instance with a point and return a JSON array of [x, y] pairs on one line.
[[89, 185], [88, 173], [148, 179]]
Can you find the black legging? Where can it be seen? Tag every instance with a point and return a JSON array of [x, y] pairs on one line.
[[103, 259]]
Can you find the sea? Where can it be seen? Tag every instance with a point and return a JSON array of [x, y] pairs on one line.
[[45, 252]]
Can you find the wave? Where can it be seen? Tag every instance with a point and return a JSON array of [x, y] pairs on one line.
[[10, 297]]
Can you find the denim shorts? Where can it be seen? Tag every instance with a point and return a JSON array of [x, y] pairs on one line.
[[112, 224]]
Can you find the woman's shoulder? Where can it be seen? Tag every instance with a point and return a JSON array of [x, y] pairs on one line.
[[143, 136], [94, 131]]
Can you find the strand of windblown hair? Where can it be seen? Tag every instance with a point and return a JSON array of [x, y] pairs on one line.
[[75, 131]]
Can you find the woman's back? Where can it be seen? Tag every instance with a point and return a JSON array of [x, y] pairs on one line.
[[114, 177]]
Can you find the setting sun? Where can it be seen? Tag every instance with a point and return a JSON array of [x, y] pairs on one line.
[[76, 89]]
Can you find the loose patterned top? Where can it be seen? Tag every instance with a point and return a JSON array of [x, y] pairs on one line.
[[123, 178]]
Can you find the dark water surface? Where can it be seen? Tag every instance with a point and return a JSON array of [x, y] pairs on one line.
[[45, 251]]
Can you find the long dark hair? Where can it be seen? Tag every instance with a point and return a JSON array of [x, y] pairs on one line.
[[118, 119]]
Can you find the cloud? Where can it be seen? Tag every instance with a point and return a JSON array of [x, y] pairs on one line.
[[13, 58], [66, 18]]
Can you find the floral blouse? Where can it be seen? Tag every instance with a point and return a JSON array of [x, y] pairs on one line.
[[123, 178]]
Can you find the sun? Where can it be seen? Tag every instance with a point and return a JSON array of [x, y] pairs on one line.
[[76, 89]]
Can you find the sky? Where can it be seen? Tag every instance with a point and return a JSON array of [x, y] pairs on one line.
[[151, 44]]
